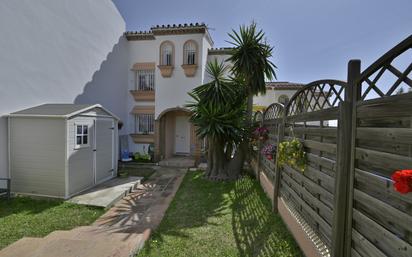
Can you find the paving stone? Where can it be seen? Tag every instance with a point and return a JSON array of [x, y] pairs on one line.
[[120, 232]]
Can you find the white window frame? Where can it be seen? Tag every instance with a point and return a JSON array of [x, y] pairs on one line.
[[167, 54], [82, 135], [149, 123], [190, 53], [149, 76]]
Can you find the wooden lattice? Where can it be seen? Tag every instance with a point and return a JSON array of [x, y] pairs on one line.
[[315, 96], [258, 117], [390, 74], [274, 111]]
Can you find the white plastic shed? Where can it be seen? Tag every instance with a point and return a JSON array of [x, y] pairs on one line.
[[59, 150]]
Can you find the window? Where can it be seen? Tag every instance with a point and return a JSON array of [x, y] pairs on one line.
[[144, 123], [283, 99], [82, 135], [145, 80], [166, 54], [189, 53]]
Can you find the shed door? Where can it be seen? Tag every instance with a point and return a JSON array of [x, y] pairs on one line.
[[104, 131]]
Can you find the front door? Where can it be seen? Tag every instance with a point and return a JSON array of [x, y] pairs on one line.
[[182, 135], [103, 147]]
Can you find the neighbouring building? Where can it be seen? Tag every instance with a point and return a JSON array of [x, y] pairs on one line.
[[276, 92], [165, 64]]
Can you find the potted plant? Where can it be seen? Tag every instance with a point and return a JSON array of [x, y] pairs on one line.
[[268, 151], [261, 133], [403, 181], [293, 154]]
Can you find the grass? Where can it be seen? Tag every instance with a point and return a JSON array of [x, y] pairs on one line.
[[26, 217], [220, 219]]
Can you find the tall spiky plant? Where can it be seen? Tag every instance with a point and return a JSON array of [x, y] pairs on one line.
[[218, 112], [250, 58]]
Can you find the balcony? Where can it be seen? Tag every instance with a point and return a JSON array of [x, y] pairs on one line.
[[143, 138], [140, 95], [189, 69], [166, 70]]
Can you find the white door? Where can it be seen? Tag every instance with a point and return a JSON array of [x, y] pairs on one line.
[[103, 147], [182, 135]]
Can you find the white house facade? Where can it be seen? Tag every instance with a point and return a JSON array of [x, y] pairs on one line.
[[165, 64]]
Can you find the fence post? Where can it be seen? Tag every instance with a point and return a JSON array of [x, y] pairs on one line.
[[344, 170], [276, 183]]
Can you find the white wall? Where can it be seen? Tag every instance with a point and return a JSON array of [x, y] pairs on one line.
[[169, 92], [60, 52], [271, 96]]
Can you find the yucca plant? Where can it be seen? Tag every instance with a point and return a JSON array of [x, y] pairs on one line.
[[218, 113]]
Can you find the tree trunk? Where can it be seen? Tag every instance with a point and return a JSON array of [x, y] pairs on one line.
[[217, 162]]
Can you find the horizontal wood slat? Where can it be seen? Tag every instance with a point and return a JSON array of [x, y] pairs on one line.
[[316, 131], [382, 188], [322, 208], [387, 161], [393, 106], [391, 218], [383, 239], [326, 228], [363, 247], [313, 187], [391, 135], [326, 114]]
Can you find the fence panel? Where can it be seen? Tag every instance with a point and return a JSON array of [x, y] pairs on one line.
[[312, 116], [355, 135], [272, 118], [381, 217]]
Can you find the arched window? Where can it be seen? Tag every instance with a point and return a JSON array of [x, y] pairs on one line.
[[190, 52], [166, 53], [283, 99]]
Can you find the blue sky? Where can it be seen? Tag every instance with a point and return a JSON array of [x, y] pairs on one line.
[[312, 39]]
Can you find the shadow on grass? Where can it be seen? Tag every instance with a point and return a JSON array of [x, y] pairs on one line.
[[220, 219], [25, 205], [257, 230]]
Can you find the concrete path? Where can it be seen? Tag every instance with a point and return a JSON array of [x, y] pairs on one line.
[[178, 162], [108, 193], [120, 232]]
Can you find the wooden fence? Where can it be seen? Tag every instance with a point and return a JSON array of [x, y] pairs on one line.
[[355, 134]]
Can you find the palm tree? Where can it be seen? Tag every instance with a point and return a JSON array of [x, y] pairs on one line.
[[250, 59], [218, 113], [250, 62]]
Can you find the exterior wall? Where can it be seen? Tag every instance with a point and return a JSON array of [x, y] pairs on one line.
[[271, 97], [220, 58], [60, 52], [170, 92], [37, 147]]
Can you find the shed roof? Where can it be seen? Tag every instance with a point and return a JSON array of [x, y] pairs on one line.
[[58, 110]]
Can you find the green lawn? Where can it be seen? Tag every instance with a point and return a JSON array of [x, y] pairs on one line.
[[25, 217], [220, 219]]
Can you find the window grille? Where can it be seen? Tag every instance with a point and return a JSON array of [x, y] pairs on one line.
[[144, 123], [189, 53], [167, 54], [145, 80]]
